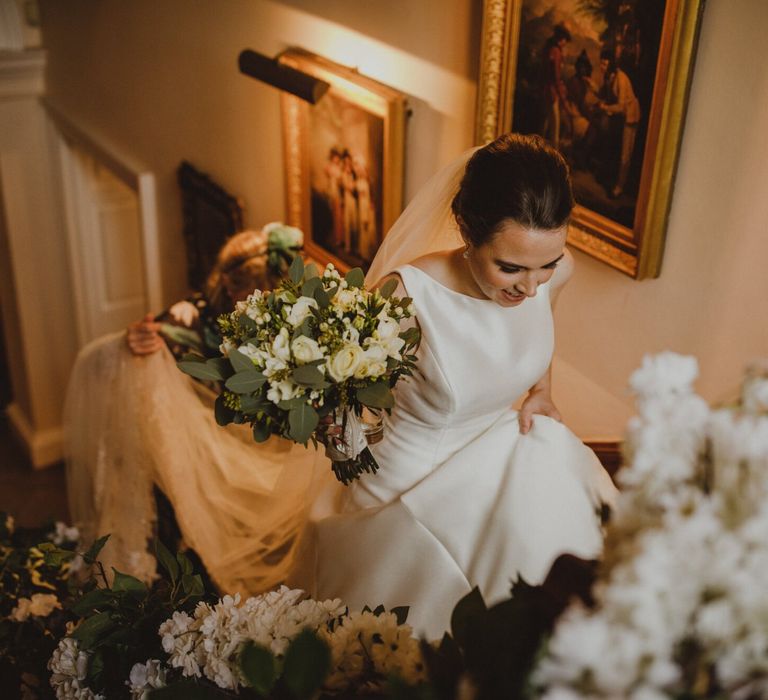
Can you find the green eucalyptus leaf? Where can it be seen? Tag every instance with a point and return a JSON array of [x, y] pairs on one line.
[[322, 297], [259, 667], [302, 422], [388, 287], [411, 335], [200, 370], [355, 277], [290, 404], [311, 271], [224, 414], [377, 395], [94, 550], [296, 270], [261, 432], [309, 375], [251, 405], [221, 365], [246, 381], [309, 287], [167, 560], [240, 362], [306, 665]]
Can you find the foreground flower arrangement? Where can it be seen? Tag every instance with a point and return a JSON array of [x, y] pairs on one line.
[[680, 606], [318, 347], [33, 590], [676, 608]]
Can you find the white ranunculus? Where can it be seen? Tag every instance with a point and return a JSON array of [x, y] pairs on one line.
[[305, 350], [345, 362], [300, 310], [282, 391], [387, 329], [281, 347]]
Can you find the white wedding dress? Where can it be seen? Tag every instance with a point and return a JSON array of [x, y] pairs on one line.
[[462, 499]]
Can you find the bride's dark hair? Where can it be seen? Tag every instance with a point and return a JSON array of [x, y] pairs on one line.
[[516, 177]]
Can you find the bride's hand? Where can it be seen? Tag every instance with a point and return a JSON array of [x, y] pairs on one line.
[[537, 402]]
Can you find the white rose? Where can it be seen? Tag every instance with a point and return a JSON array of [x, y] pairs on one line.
[[345, 362], [388, 328], [300, 310], [283, 391], [43, 604], [374, 362], [305, 350], [281, 346], [184, 312]]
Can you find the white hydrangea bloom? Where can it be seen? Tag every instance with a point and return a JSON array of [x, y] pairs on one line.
[[146, 677]]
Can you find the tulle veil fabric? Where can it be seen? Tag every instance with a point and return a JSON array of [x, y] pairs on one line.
[[132, 422]]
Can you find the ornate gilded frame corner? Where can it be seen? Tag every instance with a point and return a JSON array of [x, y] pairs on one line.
[[635, 251], [363, 92]]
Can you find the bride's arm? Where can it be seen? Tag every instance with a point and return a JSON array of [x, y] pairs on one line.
[[539, 399]]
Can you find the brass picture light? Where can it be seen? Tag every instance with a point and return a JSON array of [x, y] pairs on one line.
[[272, 72]]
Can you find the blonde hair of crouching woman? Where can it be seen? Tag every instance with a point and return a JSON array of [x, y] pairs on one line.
[[133, 420], [244, 263]]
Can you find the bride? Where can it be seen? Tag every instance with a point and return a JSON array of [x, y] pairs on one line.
[[470, 492]]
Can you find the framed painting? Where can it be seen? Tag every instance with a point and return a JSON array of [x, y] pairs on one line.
[[606, 82], [343, 162]]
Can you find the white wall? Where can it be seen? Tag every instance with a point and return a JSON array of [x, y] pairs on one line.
[[159, 80]]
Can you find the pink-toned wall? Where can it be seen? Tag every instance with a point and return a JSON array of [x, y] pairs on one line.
[[159, 79]]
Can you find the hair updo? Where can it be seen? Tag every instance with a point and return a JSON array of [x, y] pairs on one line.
[[515, 177]]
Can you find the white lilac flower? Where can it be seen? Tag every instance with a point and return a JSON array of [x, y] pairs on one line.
[[69, 666], [146, 677], [664, 374]]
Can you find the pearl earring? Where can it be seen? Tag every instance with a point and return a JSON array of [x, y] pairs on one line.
[[465, 254]]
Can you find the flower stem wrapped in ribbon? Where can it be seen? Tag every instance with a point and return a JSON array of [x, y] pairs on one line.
[[305, 360]]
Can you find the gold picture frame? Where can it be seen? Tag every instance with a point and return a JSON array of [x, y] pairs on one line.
[[627, 233], [343, 162]]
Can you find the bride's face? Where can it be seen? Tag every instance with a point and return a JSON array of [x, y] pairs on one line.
[[510, 267]]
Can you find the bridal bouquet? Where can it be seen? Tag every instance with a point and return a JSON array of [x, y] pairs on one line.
[[306, 360]]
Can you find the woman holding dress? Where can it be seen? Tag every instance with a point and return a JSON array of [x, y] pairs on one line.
[[470, 492]]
